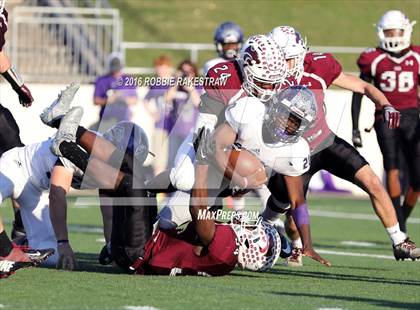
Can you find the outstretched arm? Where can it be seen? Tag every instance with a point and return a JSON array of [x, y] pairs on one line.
[[60, 184], [355, 84], [10, 74], [300, 215]]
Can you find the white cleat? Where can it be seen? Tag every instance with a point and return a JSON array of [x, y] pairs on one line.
[[294, 260], [67, 130], [60, 106]]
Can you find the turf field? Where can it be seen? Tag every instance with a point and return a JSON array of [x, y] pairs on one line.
[[363, 276]]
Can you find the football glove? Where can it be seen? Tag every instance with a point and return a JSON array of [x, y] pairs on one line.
[[391, 116], [25, 96], [203, 145], [357, 138]]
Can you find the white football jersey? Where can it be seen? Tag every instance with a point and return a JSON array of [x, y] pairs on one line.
[[246, 117], [211, 63], [37, 162]]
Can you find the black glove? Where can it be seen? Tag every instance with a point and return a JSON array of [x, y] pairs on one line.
[[203, 145], [25, 96], [357, 138]]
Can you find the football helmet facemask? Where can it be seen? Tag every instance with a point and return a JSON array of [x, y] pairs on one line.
[[289, 114], [394, 20]]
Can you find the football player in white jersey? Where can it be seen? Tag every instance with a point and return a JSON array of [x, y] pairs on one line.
[[259, 72], [25, 176], [228, 38], [273, 132]]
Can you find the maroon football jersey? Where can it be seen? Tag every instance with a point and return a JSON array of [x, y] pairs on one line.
[[3, 27], [321, 69], [397, 78], [231, 90], [170, 252]]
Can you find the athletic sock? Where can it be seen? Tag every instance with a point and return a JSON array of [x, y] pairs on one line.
[[405, 211], [396, 202], [395, 234], [297, 243], [269, 215], [5, 244]]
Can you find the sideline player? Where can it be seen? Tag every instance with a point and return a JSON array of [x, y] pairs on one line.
[[318, 71], [228, 39], [394, 67]]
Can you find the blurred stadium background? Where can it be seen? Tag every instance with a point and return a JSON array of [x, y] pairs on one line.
[[54, 42]]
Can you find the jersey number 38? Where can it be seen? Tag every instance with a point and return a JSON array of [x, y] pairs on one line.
[[402, 81]]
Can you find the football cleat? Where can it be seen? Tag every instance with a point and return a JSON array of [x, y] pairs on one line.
[[67, 130], [15, 260], [295, 260], [286, 247], [105, 257], [406, 249], [60, 106], [39, 256]]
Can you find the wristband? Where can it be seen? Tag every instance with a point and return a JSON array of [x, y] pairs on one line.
[[63, 241], [13, 78], [300, 215]]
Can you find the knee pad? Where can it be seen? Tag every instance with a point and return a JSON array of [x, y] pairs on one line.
[[183, 176]]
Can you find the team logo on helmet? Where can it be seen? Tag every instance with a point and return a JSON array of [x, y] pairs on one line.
[[250, 56]]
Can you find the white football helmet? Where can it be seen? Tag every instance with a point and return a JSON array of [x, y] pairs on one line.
[[259, 245], [264, 67], [293, 46], [394, 20]]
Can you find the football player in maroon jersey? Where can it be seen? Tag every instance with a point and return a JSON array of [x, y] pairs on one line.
[[394, 67], [318, 71]]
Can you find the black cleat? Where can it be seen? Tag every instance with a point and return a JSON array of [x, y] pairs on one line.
[[286, 247], [406, 249], [104, 257]]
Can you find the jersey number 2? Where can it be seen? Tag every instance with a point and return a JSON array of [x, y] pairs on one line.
[[403, 82]]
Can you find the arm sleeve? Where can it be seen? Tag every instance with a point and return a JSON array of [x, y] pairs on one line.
[[356, 104]]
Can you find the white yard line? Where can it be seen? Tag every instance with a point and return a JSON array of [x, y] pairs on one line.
[[354, 254], [359, 244], [353, 216], [140, 308]]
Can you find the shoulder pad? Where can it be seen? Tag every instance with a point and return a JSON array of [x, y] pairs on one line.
[[244, 111]]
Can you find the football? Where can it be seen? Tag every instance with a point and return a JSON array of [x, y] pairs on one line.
[[245, 163]]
